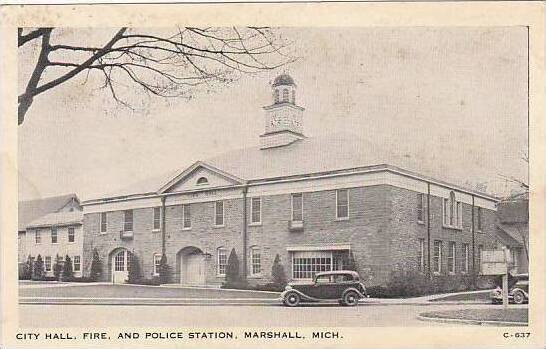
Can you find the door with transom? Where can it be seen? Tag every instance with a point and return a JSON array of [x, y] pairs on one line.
[[120, 266]]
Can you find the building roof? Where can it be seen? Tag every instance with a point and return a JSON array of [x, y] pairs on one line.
[[516, 232], [57, 219], [283, 79], [30, 210], [312, 155]]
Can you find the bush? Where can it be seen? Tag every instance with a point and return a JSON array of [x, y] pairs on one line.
[[349, 262], [154, 281], [134, 270], [82, 279], [25, 270], [273, 287], [68, 272], [233, 276], [57, 268], [277, 273], [38, 269], [164, 270], [96, 266]]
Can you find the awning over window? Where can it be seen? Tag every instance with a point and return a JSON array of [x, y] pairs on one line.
[[331, 247]]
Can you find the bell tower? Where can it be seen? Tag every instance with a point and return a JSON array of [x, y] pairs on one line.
[[283, 118]]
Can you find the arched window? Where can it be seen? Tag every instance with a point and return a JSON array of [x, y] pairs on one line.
[[285, 95], [221, 258], [276, 96], [255, 260], [202, 181], [452, 208], [452, 212]]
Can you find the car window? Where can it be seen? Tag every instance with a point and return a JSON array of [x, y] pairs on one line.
[[342, 278], [323, 279]]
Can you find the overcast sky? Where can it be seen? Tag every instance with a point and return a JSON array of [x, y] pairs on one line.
[[454, 95]]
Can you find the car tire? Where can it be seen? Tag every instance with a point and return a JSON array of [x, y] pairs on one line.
[[518, 297], [292, 299], [350, 298]]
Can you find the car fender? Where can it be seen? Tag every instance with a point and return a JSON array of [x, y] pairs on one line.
[[301, 294], [352, 289], [521, 290]]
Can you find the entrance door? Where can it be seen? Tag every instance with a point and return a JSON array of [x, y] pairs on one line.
[[193, 269], [120, 266]]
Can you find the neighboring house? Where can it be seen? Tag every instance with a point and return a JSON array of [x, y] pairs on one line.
[[310, 200], [513, 229], [48, 227]]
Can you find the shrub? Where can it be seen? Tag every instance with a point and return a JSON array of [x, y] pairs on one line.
[[273, 287], [349, 262], [38, 269], [68, 272], [25, 271], [57, 268], [164, 270], [233, 276], [96, 266], [134, 270], [407, 283], [277, 273]]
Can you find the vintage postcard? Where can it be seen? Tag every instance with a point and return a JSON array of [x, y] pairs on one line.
[[326, 175]]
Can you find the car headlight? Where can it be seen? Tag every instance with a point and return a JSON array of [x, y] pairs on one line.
[[288, 287]]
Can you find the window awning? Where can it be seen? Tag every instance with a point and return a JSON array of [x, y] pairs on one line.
[[331, 247]]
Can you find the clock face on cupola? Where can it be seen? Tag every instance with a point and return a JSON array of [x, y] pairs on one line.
[[283, 114]]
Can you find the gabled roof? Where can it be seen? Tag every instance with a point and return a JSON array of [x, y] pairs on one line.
[[58, 219], [33, 209], [514, 232]]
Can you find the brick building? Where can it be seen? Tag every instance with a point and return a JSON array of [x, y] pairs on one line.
[[310, 200]]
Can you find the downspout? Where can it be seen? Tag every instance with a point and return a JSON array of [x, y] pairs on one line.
[[473, 245], [163, 244], [428, 230], [245, 252]]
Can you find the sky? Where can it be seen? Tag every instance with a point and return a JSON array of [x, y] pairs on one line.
[[455, 96]]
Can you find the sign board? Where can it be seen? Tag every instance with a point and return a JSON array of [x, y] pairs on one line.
[[495, 262]]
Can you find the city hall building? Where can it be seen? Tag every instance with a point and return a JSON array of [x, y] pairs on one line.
[[310, 200]]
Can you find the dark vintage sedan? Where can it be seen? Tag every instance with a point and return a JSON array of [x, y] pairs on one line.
[[343, 286], [518, 290]]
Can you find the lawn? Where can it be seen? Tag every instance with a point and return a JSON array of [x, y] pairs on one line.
[[493, 314], [126, 291], [475, 297]]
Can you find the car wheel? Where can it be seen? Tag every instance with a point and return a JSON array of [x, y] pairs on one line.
[[518, 297], [292, 299], [351, 298]]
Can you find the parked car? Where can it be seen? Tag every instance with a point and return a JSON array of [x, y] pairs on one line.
[[518, 290], [343, 286]]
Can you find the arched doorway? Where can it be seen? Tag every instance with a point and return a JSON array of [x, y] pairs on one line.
[[191, 266], [120, 260]]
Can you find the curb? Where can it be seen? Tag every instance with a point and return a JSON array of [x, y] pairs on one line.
[[471, 322]]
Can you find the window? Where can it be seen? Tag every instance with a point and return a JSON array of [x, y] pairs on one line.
[[421, 255], [452, 211], [451, 257], [437, 260], [103, 222], [157, 263], [323, 279], [285, 95], [157, 218], [342, 203], [255, 260], [119, 262], [219, 213], [54, 236], [304, 266], [222, 261], [70, 234], [77, 264], [37, 237], [202, 181], [420, 208], [293, 96], [465, 258], [186, 217], [479, 219], [297, 207], [255, 210], [47, 262], [479, 259], [128, 220], [276, 96]]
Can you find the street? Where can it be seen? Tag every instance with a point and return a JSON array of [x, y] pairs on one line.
[[88, 316]]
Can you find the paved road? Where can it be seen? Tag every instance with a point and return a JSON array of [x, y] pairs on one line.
[[86, 316]]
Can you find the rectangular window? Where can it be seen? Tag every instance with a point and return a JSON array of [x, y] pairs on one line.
[[157, 263], [219, 213], [479, 219], [451, 257], [222, 261], [71, 236], [37, 237], [54, 236], [421, 255], [297, 207], [47, 262], [103, 222], [446, 212], [128, 220], [420, 208], [157, 218], [305, 267], [256, 261], [479, 259], [437, 260], [459, 215], [256, 210], [186, 217], [342, 203], [465, 258], [77, 264]]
